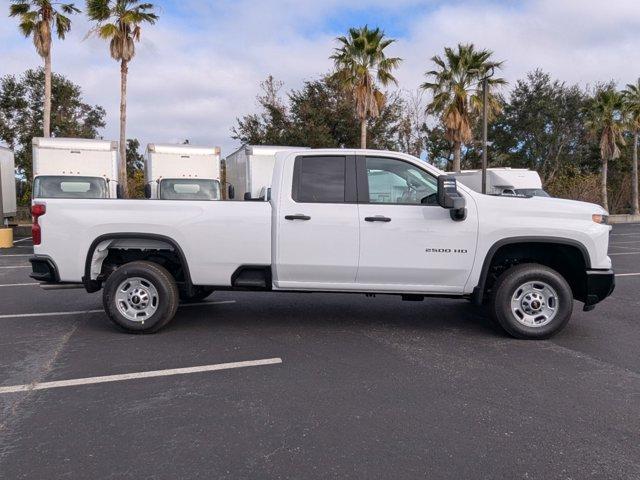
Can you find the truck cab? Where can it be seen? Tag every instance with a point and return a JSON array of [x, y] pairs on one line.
[[182, 172], [75, 168]]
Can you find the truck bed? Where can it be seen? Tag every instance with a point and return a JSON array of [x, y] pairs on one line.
[[242, 232]]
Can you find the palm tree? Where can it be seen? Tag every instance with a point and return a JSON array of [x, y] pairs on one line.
[[631, 99], [360, 61], [604, 123], [457, 92], [37, 19], [119, 22]]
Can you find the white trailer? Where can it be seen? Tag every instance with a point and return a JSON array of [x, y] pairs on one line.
[[504, 181], [75, 168], [182, 172], [7, 184], [249, 170]]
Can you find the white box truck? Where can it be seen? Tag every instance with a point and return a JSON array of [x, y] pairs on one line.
[[504, 181], [7, 184], [75, 168], [182, 172], [249, 170]]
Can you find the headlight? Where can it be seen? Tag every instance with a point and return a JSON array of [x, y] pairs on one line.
[[600, 218]]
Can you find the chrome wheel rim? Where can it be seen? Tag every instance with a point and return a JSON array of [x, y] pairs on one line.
[[534, 304], [137, 299]]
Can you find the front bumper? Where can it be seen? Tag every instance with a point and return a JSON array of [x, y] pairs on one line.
[[600, 284]]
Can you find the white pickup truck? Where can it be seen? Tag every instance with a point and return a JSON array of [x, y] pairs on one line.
[[337, 220]]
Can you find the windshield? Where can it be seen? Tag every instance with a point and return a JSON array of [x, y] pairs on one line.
[[189, 189], [50, 186], [531, 192]]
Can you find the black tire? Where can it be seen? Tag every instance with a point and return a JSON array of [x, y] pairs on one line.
[[513, 279], [198, 294], [165, 302]]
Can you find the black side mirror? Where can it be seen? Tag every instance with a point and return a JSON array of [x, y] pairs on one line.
[[247, 196], [231, 192], [119, 191], [147, 190], [449, 198]]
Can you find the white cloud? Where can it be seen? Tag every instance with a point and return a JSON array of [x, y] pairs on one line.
[[195, 73]]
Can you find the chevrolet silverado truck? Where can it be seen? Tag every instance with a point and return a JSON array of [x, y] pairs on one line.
[[335, 220]]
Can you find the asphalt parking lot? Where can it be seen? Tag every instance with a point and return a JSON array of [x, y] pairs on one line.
[[349, 387]]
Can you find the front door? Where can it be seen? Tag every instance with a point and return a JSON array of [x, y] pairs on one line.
[[318, 230], [407, 241]]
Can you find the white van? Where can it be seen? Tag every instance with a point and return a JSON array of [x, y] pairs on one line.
[[75, 168], [182, 172], [7, 184]]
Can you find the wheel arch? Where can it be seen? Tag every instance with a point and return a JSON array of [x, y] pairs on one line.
[[494, 252], [92, 285]]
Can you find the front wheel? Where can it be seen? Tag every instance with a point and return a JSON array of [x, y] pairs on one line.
[[531, 301], [140, 297]]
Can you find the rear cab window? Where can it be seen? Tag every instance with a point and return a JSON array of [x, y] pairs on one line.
[[324, 179]]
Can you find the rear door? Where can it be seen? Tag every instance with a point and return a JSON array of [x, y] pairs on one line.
[[407, 241], [318, 227]]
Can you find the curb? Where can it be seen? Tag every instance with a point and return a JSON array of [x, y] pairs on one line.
[[625, 218]]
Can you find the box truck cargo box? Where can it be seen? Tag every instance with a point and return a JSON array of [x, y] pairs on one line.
[[8, 182], [504, 181], [249, 170], [75, 168], [182, 172]]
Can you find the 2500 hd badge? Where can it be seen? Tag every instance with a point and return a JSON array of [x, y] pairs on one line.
[[446, 250]]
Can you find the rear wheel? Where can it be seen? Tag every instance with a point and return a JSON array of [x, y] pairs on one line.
[[140, 297], [532, 301]]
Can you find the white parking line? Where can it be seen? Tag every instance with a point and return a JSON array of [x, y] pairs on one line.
[[623, 234], [627, 274], [22, 239], [625, 253], [16, 255], [84, 312], [18, 266], [136, 375], [18, 284], [611, 243]]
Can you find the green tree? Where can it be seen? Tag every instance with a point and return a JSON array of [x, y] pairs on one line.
[[542, 127], [360, 62], [37, 19], [21, 115], [135, 169], [631, 98], [457, 92], [119, 22], [320, 114], [605, 125]]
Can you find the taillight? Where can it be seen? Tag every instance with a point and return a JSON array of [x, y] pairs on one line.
[[37, 211]]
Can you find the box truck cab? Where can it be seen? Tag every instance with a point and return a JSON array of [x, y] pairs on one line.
[[7, 185], [75, 168], [504, 181], [182, 172], [249, 171]]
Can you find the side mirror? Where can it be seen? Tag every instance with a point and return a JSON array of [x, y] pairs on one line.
[[247, 196], [119, 191], [449, 198], [147, 190], [231, 192]]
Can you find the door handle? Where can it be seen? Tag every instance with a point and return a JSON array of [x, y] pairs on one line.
[[297, 216], [377, 218]]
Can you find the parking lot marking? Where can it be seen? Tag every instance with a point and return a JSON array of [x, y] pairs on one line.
[[18, 266], [136, 375], [18, 284], [622, 234], [627, 274], [83, 312], [22, 239], [625, 253]]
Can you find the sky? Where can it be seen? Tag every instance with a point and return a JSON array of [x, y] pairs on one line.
[[199, 68]]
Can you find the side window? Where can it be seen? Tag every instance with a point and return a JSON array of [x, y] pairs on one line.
[[319, 179], [393, 181]]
